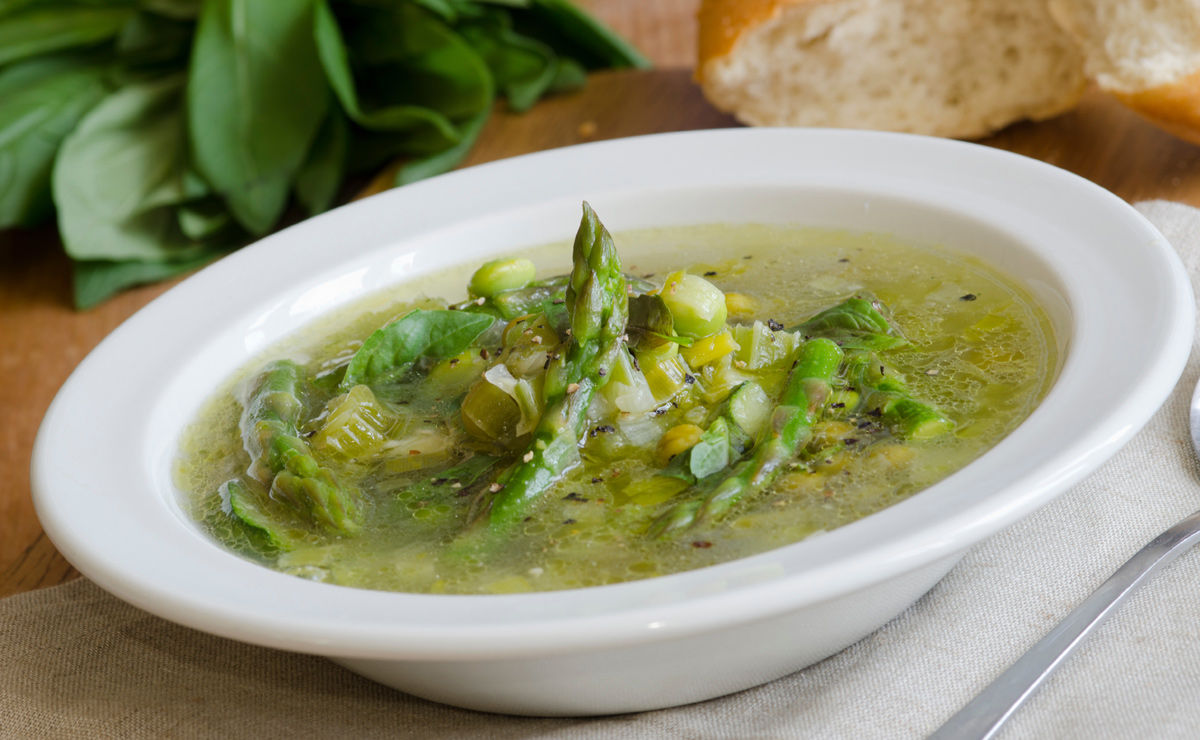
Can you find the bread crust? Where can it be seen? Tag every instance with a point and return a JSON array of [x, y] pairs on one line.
[[722, 23], [735, 78], [1174, 107]]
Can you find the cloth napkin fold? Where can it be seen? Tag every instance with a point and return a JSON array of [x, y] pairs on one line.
[[76, 662]]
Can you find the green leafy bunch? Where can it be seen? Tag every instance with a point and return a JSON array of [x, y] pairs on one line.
[[168, 132]]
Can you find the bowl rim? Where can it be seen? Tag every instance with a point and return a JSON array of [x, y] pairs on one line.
[[219, 593]]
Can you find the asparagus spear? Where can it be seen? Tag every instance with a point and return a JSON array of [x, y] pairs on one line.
[[548, 296], [885, 395], [254, 509], [803, 400], [857, 323], [598, 307], [282, 461]]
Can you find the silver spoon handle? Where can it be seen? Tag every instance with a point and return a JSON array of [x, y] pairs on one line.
[[983, 716]]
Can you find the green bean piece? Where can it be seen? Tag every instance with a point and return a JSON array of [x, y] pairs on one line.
[[804, 398], [498, 276], [598, 306], [282, 462]]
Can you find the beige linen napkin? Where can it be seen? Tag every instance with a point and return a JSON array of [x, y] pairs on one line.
[[75, 662]]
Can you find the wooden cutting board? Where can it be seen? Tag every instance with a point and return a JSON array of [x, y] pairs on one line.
[[42, 338]]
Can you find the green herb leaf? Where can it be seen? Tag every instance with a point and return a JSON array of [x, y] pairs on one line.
[[711, 454], [391, 351], [183, 10], [523, 68], [150, 40], [96, 280], [319, 179], [203, 219], [447, 159], [406, 118], [255, 99], [116, 173], [409, 80], [651, 325], [54, 27], [572, 32], [43, 100], [569, 76]]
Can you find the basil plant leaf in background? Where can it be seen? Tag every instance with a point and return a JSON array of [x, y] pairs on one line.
[[256, 96], [43, 100], [120, 179], [48, 27], [165, 133]]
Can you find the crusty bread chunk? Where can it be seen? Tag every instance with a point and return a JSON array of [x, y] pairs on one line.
[[958, 68], [1146, 52]]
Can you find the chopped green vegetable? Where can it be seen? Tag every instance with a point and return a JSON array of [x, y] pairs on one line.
[[471, 453], [282, 461], [598, 306], [808, 390], [390, 352], [696, 305], [498, 276]]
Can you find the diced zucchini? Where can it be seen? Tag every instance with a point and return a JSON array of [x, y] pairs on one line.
[[489, 413], [760, 347], [458, 372], [357, 424], [749, 407]]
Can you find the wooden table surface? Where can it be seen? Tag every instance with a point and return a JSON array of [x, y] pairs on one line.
[[42, 338]]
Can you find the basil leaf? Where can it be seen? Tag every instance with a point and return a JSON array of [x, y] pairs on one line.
[[335, 59], [320, 178], [447, 159], [398, 68], [569, 76], [523, 68], [117, 173], [44, 99], [97, 280], [571, 31], [40, 29], [711, 454], [148, 40], [391, 351], [404, 55], [256, 96], [203, 219], [183, 10], [445, 9], [651, 326]]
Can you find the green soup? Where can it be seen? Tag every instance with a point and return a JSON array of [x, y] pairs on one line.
[[428, 450]]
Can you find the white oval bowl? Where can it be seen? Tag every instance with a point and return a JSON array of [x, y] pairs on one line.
[[1115, 289]]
